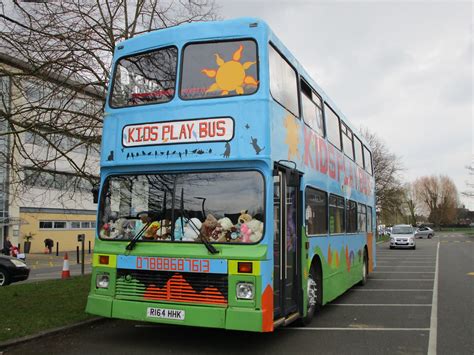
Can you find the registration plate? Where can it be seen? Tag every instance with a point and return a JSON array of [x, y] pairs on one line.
[[176, 314]]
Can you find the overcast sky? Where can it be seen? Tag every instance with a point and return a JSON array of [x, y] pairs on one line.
[[403, 69]]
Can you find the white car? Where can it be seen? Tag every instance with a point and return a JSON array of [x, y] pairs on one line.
[[424, 232], [403, 236]]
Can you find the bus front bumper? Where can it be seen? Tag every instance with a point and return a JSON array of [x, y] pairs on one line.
[[234, 318]]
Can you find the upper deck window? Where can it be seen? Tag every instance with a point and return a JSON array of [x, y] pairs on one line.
[[312, 109], [283, 82], [219, 69], [333, 128], [147, 78]]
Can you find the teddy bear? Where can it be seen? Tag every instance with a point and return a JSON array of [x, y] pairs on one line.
[[179, 228], [164, 231], [245, 233], [244, 217], [105, 231], [256, 228], [224, 228], [150, 232], [208, 227], [191, 230]]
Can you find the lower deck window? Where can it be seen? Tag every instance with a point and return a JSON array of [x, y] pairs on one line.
[[316, 213], [336, 214]]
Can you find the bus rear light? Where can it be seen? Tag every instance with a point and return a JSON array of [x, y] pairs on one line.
[[104, 259], [245, 267]]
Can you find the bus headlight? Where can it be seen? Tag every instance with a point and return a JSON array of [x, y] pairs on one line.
[[245, 291], [102, 281]]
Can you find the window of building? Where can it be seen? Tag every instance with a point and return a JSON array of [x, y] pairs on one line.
[[369, 219], [351, 213], [347, 139], [45, 224], [362, 213], [359, 157], [219, 69], [368, 160], [312, 108], [336, 214], [283, 82], [332, 126], [146, 78], [316, 211], [59, 225], [75, 225]]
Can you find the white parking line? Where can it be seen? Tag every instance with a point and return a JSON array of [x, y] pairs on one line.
[[393, 289], [401, 279], [353, 328], [384, 266], [402, 272], [434, 311], [380, 304]]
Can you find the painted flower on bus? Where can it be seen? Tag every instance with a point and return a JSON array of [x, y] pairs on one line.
[[230, 76]]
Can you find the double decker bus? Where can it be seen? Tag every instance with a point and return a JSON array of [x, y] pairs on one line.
[[234, 194]]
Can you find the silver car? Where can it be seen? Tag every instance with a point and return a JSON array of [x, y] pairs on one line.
[[403, 236], [424, 232]]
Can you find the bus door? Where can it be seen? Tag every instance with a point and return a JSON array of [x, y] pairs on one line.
[[285, 242]]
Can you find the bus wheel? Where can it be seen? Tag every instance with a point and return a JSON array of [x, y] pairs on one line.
[[314, 294], [365, 264]]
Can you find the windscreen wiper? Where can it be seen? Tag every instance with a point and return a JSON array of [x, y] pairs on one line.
[[152, 217], [207, 244]]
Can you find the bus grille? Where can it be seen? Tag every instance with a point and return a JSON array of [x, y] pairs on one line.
[[171, 286]]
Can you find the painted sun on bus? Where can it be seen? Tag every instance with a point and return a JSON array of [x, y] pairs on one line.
[[234, 194]]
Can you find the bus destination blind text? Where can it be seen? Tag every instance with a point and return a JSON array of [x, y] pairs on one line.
[[174, 132]]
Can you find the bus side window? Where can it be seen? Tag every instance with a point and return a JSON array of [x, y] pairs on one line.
[[367, 160], [332, 127], [362, 212], [283, 82], [369, 219], [316, 211], [311, 108], [351, 216], [336, 214]]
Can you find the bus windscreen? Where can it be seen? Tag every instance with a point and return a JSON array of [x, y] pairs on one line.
[[222, 207]]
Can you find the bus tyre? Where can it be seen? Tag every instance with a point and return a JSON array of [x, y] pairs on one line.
[[314, 294], [365, 274]]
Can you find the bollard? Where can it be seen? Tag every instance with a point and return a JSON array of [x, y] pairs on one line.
[[89, 246], [57, 248], [77, 254]]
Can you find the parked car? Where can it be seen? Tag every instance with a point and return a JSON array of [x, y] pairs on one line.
[[12, 270], [403, 236], [424, 232]]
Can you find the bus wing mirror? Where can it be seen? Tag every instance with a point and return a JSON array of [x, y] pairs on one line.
[[95, 194]]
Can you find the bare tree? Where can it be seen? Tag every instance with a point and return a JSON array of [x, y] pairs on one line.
[[439, 195], [388, 187], [469, 193], [58, 57], [411, 202]]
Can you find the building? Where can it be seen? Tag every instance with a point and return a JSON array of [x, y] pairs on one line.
[[46, 172]]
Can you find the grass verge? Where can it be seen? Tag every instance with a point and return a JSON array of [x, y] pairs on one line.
[[384, 238], [33, 307]]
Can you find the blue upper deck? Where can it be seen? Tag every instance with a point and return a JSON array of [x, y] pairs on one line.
[[249, 116]]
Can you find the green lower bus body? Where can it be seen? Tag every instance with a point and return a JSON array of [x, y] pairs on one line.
[[233, 318]]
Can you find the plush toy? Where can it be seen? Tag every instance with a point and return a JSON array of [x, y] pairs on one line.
[[191, 230], [245, 232], [179, 228], [208, 227], [150, 232], [244, 217], [164, 232], [105, 231], [225, 230], [257, 230], [117, 228]]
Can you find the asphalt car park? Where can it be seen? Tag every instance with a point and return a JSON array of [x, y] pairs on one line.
[[398, 311]]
